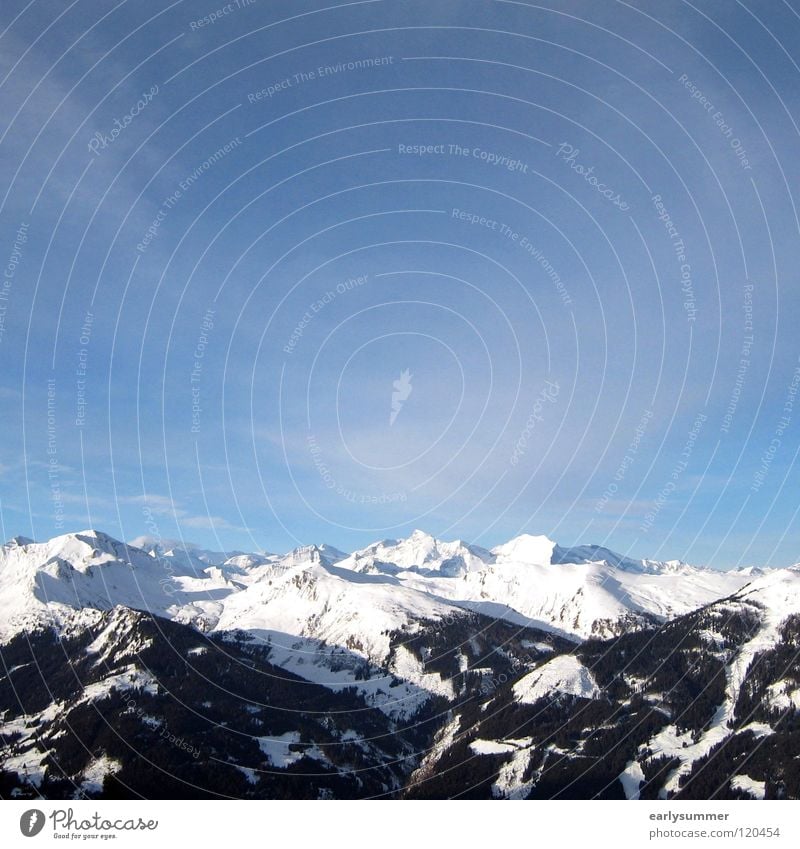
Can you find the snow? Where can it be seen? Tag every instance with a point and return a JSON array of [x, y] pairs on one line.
[[24, 756], [277, 751], [332, 668], [247, 562], [117, 637], [348, 600], [408, 667], [757, 789], [577, 600], [564, 674], [130, 678], [43, 584], [250, 774], [758, 729], [343, 608], [420, 553], [329, 616], [354, 603], [776, 596], [526, 549], [278, 754], [668, 742], [443, 739], [631, 779], [491, 747], [784, 696], [509, 783], [19, 540], [95, 773], [158, 547]]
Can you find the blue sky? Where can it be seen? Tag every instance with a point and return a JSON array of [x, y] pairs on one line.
[[229, 230]]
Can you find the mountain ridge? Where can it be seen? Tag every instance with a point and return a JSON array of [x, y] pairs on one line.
[[411, 668], [576, 591]]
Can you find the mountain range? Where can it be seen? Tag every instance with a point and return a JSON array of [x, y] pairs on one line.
[[410, 668]]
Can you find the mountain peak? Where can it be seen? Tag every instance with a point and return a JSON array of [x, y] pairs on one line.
[[313, 553], [19, 541], [586, 554], [526, 548], [519, 580], [97, 536], [92, 539], [421, 536], [331, 553]]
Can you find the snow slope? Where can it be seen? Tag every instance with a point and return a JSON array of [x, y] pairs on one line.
[[419, 553], [580, 599], [340, 607], [352, 600], [46, 583], [775, 597], [564, 674]]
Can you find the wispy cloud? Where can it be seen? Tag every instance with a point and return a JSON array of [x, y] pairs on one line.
[[163, 505]]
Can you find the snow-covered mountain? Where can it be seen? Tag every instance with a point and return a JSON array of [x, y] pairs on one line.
[[420, 553], [316, 600], [531, 670], [175, 548], [352, 600], [705, 706], [141, 707], [577, 592], [68, 577]]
